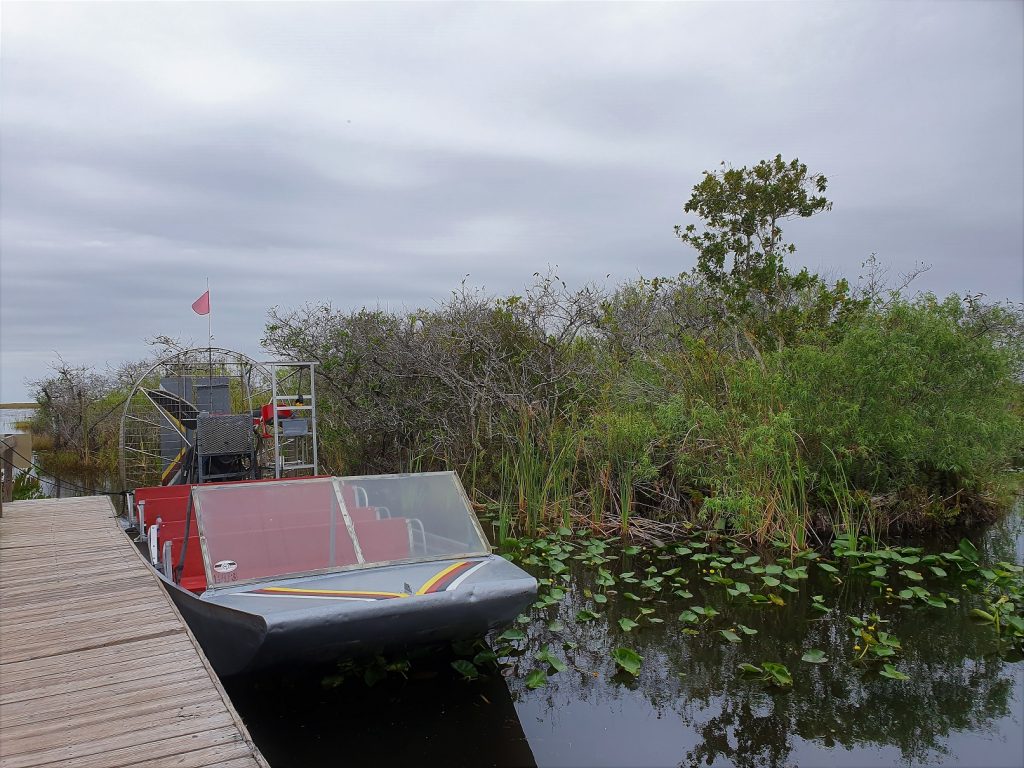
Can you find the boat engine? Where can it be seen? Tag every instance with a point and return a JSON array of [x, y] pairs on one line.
[[225, 448]]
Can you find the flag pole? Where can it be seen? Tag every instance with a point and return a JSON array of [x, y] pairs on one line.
[[209, 329]]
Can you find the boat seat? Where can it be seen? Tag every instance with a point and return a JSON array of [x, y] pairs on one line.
[[287, 544], [292, 549], [362, 514], [355, 496], [307, 548], [383, 540]]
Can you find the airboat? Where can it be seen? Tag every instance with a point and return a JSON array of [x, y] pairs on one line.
[[272, 563]]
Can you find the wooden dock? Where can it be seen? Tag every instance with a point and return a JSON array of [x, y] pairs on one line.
[[97, 667]]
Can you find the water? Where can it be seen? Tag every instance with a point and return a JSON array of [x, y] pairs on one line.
[[9, 417], [961, 706], [58, 484]]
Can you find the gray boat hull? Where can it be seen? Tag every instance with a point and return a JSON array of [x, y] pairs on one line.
[[321, 618]]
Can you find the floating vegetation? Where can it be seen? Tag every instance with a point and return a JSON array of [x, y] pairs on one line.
[[623, 587], [554, 663], [628, 660], [770, 672], [537, 678], [892, 673], [465, 668]]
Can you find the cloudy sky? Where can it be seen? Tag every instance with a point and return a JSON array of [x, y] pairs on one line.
[[378, 153]]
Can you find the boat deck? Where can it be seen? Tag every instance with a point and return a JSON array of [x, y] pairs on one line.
[[97, 667]]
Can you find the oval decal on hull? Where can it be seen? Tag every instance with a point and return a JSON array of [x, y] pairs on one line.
[[225, 566]]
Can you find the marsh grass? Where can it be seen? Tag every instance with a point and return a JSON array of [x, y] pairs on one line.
[[538, 479]]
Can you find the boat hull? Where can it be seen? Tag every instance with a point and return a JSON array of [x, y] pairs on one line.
[[321, 618]]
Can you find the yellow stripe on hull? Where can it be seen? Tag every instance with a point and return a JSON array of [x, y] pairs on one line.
[[343, 592], [437, 577]]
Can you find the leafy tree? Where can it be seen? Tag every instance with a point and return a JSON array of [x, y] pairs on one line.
[[741, 253], [742, 210]]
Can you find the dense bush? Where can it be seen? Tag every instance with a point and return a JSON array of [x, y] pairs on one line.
[[885, 412], [912, 413]]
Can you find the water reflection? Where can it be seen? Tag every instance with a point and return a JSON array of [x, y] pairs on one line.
[[961, 705]]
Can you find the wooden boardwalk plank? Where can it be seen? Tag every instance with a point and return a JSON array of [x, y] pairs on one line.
[[132, 654], [97, 667], [26, 716]]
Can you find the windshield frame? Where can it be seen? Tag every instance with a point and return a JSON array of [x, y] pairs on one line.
[[336, 483]]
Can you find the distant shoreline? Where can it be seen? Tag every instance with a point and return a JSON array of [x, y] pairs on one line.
[[17, 406]]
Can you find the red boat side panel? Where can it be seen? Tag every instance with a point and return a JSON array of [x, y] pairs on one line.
[[182, 491], [162, 492], [169, 510], [193, 575]]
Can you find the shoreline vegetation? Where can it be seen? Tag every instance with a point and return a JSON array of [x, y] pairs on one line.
[[739, 398]]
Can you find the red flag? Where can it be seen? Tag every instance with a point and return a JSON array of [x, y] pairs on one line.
[[201, 306]]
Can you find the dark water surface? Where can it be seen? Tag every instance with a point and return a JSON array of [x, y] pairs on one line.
[[962, 704]]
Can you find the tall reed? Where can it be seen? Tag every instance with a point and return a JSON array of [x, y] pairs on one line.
[[538, 475]]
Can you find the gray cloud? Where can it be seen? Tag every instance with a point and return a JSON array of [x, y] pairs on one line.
[[365, 153]]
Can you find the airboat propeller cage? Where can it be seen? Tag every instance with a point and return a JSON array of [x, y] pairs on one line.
[[211, 415]]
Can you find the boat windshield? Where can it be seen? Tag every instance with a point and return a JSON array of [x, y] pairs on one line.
[[258, 530]]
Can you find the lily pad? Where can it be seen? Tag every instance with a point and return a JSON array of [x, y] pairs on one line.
[[536, 679], [544, 656], [779, 674], [968, 550], [465, 668], [892, 673], [814, 656], [628, 659]]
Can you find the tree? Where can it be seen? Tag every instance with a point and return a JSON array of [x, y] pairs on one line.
[[742, 210], [741, 253]]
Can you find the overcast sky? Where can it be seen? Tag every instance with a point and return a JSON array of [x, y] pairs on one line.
[[378, 153]]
